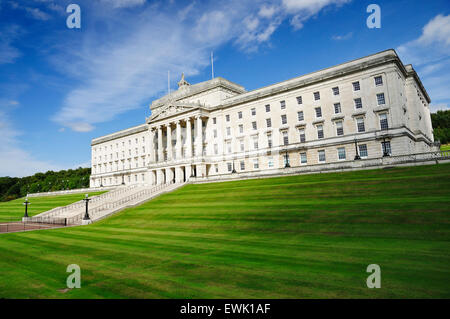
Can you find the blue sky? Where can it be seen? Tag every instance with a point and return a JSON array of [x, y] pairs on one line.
[[61, 87]]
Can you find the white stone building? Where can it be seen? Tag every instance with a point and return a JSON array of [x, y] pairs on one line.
[[367, 108]]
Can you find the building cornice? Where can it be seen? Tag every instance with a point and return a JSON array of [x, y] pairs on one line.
[[123, 133]]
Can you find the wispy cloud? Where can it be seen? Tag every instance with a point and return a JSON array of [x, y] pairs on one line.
[[9, 53], [342, 37], [430, 55], [31, 11], [121, 69]]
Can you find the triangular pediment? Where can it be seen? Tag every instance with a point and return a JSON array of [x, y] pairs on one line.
[[171, 109]]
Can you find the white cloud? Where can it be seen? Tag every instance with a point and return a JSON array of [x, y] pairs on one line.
[[439, 107], [342, 37], [124, 3], [430, 56], [122, 69], [33, 12]]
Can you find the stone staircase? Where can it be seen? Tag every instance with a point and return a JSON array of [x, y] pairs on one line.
[[104, 205]]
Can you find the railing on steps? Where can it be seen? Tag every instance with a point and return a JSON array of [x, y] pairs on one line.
[[121, 202]]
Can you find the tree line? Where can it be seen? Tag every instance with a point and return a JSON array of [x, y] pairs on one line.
[[441, 126], [15, 187]]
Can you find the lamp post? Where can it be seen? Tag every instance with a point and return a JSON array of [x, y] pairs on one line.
[[234, 169], [123, 179], [357, 157], [86, 218], [286, 160], [385, 152], [26, 203]]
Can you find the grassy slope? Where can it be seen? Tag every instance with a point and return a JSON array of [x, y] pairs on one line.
[[14, 210], [445, 147], [291, 237]]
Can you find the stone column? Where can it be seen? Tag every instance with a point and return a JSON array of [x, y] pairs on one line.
[[188, 138], [199, 139], [169, 142], [178, 146], [188, 172], [160, 144], [150, 148]]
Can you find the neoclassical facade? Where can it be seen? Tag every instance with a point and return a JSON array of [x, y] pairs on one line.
[[368, 108]]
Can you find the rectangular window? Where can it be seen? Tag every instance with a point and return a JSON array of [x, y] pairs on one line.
[[303, 158], [227, 118], [316, 96], [300, 116], [335, 90], [254, 125], [341, 153], [269, 122], [214, 120], [269, 141], [230, 167], [302, 135], [228, 131], [285, 138], [268, 108], [241, 128], [255, 163], [253, 111], [242, 163], [299, 100], [378, 80], [318, 111], [363, 151], [337, 108], [283, 119], [358, 103], [217, 168], [255, 142], [384, 121], [270, 162], [319, 131], [322, 156], [386, 147], [339, 128], [356, 86], [239, 114], [360, 125], [216, 149], [229, 147], [283, 104], [215, 133], [241, 145], [380, 99]]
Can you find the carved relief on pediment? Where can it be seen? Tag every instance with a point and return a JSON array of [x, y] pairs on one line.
[[170, 110]]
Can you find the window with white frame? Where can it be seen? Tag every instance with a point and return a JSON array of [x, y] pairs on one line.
[[282, 105], [241, 145], [215, 133], [283, 119], [299, 100], [302, 135], [269, 122], [227, 117], [229, 166], [356, 86], [303, 158], [358, 103], [267, 107], [378, 80], [339, 128], [363, 150], [216, 149], [337, 108], [228, 131], [320, 131], [360, 124], [270, 162], [214, 120], [318, 112], [239, 114], [254, 125], [384, 125], [255, 142], [386, 148], [335, 90], [253, 111], [341, 153], [241, 128], [316, 96], [321, 154], [380, 99], [300, 116], [255, 163], [269, 140], [285, 138], [242, 164], [229, 147], [216, 168]]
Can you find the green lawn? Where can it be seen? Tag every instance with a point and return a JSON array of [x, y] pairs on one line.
[[306, 236], [445, 147], [14, 210]]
